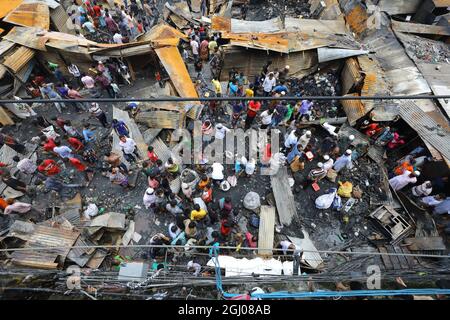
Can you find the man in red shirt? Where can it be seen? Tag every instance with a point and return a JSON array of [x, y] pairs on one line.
[[75, 144], [97, 10], [49, 144], [77, 164], [253, 108], [49, 167], [152, 155]]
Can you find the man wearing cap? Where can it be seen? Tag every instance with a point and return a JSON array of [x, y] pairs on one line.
[[328, 164], [344, 161], [315, 175], [221, 130], [96, 111], [291, 140], [284, 73], [399, 182], [304, 139], [149, 198], [217, 173]]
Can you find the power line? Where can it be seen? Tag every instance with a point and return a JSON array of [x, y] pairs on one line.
[[147, 246], [203, 99]]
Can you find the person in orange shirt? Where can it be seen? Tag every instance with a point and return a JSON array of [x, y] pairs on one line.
[[207, 195], [203, 183], [3, 203], [405, 165]]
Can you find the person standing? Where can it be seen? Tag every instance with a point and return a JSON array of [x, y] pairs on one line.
[[129, 150], [252, 111], [48, 91], [268, 84], [120, 128], [195, 48], [96, 111], [25, 165]]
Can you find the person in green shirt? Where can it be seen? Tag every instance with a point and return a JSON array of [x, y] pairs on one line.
[[290, 111]]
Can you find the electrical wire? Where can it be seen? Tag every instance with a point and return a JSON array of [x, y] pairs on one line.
[[147, 246]]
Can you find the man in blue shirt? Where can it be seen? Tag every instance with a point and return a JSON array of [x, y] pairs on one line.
[[280, 88], [233, 88], [121, 128], [88, 134]]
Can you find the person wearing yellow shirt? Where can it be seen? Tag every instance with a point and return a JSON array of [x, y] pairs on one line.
[[249, 92], [217, 87], [197, 213], [212, 45]]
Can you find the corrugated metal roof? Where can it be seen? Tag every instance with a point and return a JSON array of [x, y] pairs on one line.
[[399, 6], [161, 119], [30, 15], [61, 21], [350, 75], [5, 46], [354, 109], [19, 58], [426, 127], [27, 37], [355, 15], [44, 236], [7, 6]]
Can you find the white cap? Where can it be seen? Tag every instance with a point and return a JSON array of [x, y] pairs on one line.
[[206, 94], [219, 125], [287, 67], [351, 137], [149, 191], [283, 93], [366, 122], [308, 133], [320, 164], [326, 157], [417, 173], [184, 185], [348, 151]]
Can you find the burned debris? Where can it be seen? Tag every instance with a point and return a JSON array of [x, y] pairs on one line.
[[154, 197]]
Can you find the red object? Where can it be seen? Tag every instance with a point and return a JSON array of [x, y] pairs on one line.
[[97, 10], [207, 195], [75, 144], [225, 231], [309, 155], [315, 186], [157, 76], [267, 153], [77, 164], [60, 122], [253, 107], [49, 145], [49, 167], [152, 156], [140, 28]]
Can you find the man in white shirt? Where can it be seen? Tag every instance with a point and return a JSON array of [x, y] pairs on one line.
[[63, 151], [250, 167], [217, 173], [221, 130], [266, 118], [194, 47], [292, 139], [268, 84], [117, 37], [399, 182], [129, 148], [25, 165]]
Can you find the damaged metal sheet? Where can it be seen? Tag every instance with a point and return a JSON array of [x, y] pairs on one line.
[[354, 109], [283, 196], [150, 135], [7, 6], [5, 46], [399, 6], [61, 21], [391, 223], [355, 15], [426, 127], [30, 15], [44, 236], [417, 28], [161, 119], [438, 77], [18, 59], [27, 37], [81, 256], [329, 54], [110, 220], [351, 75], [311, 255]]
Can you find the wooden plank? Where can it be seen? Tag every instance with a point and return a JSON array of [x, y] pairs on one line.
[[425, 243], [266, 231], [387, 262], [283, 196], [394, 259], [401, 258], [5, 119]]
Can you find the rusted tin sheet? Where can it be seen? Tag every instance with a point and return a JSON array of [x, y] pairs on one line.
[[30, 15], [45, 236], [350, 75], [7, 6], [162, 31], [18, 59], [354, 109], [161, 119], [219, 23], [27, 37], [176, 69], [355, 16]]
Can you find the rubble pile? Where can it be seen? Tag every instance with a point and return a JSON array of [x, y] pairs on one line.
[[259, 10]]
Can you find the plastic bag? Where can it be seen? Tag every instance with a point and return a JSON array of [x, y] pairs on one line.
[[91, 211], [337, 203], [325, 201], [345, 189], [252, 201]]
